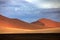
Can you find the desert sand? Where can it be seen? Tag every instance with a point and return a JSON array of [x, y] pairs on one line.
[[10, 25]]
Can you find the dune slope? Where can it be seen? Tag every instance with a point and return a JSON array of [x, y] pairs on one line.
[[47, 23], [15, 23], [8, 25]]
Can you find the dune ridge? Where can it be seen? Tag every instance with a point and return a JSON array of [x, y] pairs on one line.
[[47, 23], [15, 23], [8, 25]]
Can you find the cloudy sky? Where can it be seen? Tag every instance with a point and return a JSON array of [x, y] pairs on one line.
[[31, 10]]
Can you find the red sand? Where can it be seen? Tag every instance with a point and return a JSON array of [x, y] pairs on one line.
[[18, 24], [15, 23], [46, 23]]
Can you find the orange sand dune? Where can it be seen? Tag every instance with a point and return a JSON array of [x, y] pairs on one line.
[[47, 23], [6, 30], [15, 23], [8, 25], [50, 23]]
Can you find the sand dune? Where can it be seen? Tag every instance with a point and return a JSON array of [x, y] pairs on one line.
[[8, 25], [47, 23], [15, 23], [16, 30]]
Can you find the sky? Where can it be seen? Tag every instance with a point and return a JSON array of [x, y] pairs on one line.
[[31, 10]]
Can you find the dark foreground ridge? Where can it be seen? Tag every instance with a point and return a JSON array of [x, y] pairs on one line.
[[30, 36]]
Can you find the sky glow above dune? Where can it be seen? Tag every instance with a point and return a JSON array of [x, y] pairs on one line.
[[45, 3]]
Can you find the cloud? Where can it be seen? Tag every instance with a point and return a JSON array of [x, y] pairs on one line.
[[45, 3], [2, 2], [29, 12]]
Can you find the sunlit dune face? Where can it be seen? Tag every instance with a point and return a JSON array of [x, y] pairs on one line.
[[7, 30], [13, 30]]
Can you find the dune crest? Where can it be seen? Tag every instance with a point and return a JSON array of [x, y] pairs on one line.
[[47, 23], [8, 25], [16, 23]]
